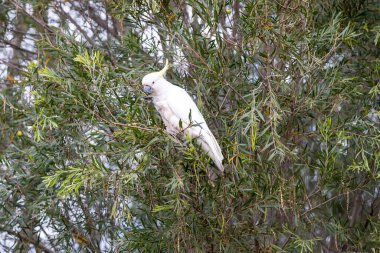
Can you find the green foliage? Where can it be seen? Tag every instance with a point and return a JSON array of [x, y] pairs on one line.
[[289, 88]]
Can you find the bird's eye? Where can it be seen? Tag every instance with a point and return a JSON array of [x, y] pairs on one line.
[[153, 82]]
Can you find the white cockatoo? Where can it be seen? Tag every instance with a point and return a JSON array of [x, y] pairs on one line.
[[175, 105]]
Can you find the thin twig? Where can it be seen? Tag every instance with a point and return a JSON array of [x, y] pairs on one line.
[[22, 237]]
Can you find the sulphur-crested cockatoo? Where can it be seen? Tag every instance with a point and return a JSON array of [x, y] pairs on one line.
[[175, 106]]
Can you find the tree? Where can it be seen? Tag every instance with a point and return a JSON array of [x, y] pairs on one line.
[[289, 88]]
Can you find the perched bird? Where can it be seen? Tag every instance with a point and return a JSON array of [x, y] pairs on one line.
[[180, 114]]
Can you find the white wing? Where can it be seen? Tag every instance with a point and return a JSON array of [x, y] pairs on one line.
[[177, 105]]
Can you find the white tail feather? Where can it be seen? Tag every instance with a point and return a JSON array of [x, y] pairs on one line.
[[211, 147]]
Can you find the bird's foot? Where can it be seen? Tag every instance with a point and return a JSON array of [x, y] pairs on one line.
[[148, 98]]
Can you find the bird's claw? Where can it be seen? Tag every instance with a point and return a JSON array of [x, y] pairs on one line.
[[148, 98]]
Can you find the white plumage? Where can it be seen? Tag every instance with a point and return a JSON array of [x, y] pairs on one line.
[[174, 105]]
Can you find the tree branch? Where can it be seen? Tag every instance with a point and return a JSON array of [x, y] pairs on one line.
[[23, 237], [83, 32], [16, 47]]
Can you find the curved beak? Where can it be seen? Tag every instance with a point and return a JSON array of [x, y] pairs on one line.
[[148, 89], [163, 71]]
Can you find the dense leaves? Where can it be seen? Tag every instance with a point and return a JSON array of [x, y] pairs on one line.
[[289, 88]]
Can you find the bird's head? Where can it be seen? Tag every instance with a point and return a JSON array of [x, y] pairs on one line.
[[152, 81]]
